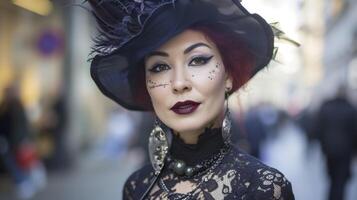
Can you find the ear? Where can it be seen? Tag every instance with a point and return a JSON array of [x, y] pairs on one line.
[[228, 83]]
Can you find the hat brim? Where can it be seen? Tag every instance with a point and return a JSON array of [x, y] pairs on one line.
[[113, 73]]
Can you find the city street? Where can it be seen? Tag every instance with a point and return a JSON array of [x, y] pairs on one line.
[[75, 78], [303, 165], [93, 178], [99, 178]]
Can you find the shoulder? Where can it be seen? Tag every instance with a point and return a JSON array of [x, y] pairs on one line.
[[137, 183], [261, 180]]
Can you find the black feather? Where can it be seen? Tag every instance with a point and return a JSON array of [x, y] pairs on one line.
[[120, 20]]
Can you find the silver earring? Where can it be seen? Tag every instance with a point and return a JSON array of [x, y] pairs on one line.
[[158, 147], [227, 93], [227, 124]]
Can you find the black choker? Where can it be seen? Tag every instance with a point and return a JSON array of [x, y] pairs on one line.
[[180, 168]]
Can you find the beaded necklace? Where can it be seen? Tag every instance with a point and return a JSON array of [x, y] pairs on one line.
[[206, 167], [180, 168]]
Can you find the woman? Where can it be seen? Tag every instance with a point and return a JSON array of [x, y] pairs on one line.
[[182, 59]]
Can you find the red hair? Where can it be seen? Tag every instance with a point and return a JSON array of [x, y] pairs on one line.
[[237, 60]]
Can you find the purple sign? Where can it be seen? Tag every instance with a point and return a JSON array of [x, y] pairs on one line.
[[49, 43]]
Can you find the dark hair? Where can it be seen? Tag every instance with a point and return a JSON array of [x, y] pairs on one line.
[[237, 59]]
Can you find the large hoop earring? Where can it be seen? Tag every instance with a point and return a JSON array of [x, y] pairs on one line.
[[158, 146], [227, 123]]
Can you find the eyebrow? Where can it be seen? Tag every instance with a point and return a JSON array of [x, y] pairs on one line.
[[157, 53], [192, 47], [186, 51]]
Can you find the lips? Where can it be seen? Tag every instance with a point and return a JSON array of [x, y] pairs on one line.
[[185, 107]]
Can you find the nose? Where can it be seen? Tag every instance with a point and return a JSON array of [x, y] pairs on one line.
[[180, 82]]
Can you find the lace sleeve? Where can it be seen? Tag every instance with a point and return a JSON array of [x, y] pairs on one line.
[[128, 189], [268, 183]]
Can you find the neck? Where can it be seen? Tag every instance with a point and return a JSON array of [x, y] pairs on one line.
[[209, 143], [191, 137]]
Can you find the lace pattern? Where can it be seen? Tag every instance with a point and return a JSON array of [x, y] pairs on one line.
[[239, 176]]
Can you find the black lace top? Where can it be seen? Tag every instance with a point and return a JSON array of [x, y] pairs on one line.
[[236, 175]]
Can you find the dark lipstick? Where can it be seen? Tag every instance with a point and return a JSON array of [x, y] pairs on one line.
[[186, 107]]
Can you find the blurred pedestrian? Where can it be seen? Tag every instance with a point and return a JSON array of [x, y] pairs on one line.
[[14, 129], [336, 130], [256, 130], [52, 133]]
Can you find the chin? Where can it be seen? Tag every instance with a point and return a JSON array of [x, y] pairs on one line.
[[188, 125]]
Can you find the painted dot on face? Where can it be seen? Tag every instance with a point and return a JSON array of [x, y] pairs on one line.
[[158, 85], [151, 82], [218, 65]]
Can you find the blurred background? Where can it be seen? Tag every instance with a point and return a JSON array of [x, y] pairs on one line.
[[61, 139]]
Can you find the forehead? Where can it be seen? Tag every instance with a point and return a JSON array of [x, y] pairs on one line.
[[185, 39]]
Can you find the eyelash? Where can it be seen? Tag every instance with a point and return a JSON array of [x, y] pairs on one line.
[[158, 68], [205, 60], [161, 67]]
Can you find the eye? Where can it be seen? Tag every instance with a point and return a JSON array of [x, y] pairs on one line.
[[200, 60], [159, 68]]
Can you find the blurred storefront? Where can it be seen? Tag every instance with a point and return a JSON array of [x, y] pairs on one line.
[[312, 29], [44, 47], [282, 83], [329, 31], [304, 76], [340, 49]]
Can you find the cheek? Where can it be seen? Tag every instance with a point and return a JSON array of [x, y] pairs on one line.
[[209, 80], [152, 84], [156, 92], [158, 86]]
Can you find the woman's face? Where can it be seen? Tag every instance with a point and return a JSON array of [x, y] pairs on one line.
[[186, 81]]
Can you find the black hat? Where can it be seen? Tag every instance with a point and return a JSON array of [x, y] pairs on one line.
[[131, 29]]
